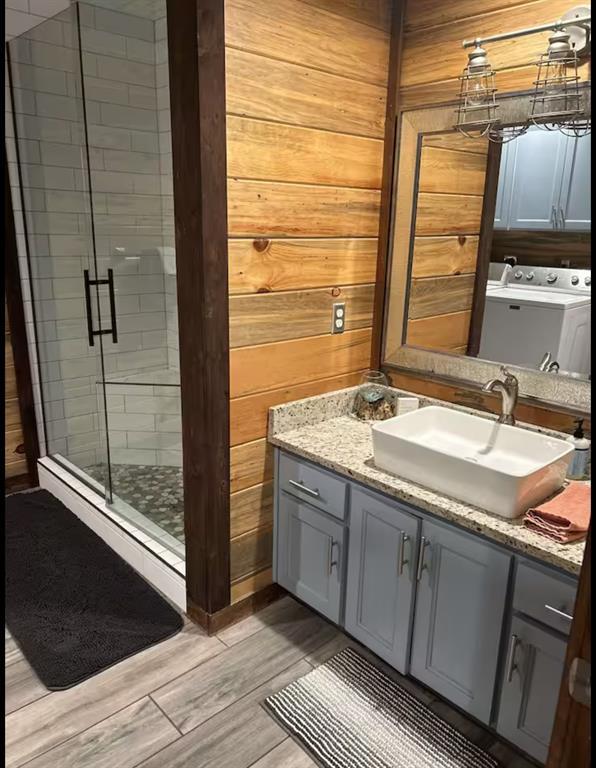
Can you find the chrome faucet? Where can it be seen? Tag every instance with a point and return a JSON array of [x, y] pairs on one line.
[[508, 387]]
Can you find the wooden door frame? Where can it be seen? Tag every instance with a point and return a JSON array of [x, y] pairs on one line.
[[18, 336], [570, 741]]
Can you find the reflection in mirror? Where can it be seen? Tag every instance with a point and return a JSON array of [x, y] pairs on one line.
[[500, 263]]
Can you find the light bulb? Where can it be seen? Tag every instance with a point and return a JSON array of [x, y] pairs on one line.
[[476, 92], [557, 74]]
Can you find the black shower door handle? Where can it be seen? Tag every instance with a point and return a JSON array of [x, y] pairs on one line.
[[113, 331]]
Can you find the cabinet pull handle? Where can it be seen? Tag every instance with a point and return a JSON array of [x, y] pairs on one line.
[[562, 614], [421, 566], [314, 493], [403, 539], [553, 217], [511, 658], [331, 562]]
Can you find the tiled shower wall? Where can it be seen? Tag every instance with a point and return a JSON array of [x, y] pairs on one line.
[[131, 196]]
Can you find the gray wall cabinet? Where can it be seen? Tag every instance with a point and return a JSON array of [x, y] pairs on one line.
[[442, 604], [530, 687], [576, 190], [544, 182], [460, 604], [310, 548], [381, 576]]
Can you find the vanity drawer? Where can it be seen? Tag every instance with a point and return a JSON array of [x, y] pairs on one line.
[[546, 597], [308, 483]]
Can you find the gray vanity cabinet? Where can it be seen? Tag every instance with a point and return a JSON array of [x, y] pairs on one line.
[[434, 601], [460, 603], [530, 689], [310, 547], [381, 576]]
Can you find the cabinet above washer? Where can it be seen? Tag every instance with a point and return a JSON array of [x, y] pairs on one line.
[[544, 182]]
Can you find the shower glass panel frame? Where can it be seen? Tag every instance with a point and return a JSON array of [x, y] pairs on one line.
[[91, 117]]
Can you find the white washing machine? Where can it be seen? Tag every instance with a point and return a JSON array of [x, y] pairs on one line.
[[540, 310]]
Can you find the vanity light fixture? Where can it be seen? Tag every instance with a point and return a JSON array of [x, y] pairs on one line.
[[556, 103], [477, 109]]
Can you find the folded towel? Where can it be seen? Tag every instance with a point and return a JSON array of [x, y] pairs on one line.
[[564, 518]]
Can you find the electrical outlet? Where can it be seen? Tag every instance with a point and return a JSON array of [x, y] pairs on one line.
[[339, 317]]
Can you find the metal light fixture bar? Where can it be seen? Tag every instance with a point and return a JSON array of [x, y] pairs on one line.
[[560, 24]]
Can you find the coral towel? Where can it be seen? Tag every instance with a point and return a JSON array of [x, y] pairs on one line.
[[564, 518]]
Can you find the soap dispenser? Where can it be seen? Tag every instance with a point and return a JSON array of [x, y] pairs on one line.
[[578, 467]]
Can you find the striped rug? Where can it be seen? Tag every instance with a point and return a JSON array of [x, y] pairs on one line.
[[349, 714]]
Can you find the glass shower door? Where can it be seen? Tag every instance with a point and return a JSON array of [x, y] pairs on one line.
[[52, 162], [92, 115]]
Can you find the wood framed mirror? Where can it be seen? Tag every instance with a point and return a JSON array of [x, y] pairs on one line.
[[464, 237]]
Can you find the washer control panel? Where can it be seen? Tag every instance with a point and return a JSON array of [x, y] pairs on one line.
[[575, 280]]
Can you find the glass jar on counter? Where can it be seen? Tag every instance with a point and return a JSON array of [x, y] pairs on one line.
[[372, 400]]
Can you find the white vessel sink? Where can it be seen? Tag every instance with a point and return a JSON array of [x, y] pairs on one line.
[[502, 469]]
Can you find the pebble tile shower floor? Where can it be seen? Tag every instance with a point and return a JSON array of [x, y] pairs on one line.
[[155, 492]]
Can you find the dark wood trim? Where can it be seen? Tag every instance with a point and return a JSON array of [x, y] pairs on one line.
[[198, 115], [389, 150], [570, 740], [215, 622], [18, 483], [485, 241], [18, 332], [469, 394]]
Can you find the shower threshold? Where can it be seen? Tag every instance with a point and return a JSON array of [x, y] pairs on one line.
[[135, 533]]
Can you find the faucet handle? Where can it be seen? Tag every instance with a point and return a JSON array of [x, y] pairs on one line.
[[509, 377]]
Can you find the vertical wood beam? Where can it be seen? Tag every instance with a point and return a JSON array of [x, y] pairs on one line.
[[390, 148], [197, 100], [18, 333]]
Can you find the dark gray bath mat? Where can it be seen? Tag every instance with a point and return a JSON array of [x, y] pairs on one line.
[[349, 714], [72, 604]]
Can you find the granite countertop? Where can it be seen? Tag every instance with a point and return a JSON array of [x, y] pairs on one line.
[[323, 430]]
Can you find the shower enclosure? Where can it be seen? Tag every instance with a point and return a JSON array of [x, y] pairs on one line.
[[92, 152]]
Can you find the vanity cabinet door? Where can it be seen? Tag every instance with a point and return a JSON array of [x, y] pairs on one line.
[[309, 555], [575, 202], [536, 165], [381, 576], [458, 619], [530, 688]]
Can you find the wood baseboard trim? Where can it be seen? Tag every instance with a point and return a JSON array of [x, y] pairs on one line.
[[18, 483], [215, 622]]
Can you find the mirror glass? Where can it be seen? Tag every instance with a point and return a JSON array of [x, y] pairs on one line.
[[499, 264]]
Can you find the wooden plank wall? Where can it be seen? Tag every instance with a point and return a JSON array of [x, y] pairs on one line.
[[15, 460], [451, 180], [306, 89], [433, 57]]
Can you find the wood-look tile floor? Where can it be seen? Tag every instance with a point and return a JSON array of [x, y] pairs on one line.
[[190, 702]]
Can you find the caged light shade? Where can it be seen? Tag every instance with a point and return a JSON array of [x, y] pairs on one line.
[[477, 107], [556, 101]]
